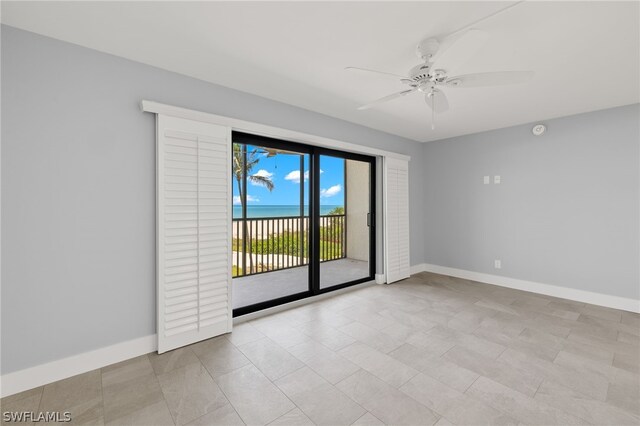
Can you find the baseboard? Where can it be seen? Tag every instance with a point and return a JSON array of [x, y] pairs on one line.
[[43, 374], [416, 269], [609, 301]]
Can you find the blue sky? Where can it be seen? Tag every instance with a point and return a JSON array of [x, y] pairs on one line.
[[284, 171]]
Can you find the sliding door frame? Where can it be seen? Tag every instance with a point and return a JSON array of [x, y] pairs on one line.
[[315, 153], [318, 152]]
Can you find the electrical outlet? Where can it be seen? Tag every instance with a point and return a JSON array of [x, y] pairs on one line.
[[487, 180], [497, 264], [496, 179]]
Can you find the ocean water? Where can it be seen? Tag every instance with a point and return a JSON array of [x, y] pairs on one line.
[[255, 211]]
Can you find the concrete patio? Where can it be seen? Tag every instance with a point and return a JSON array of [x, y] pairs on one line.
[[271, 285]]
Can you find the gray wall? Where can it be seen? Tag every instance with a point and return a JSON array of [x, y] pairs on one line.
[[78, 190], [566, 212]]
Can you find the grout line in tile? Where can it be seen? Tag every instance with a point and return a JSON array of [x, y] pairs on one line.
[[42, 395], [293, 409], [410, 378], [163, 396], [471, 384], [538, 388], [349, 376], [289, 399], [500, 354], [495, 407], [448, 350], [104, 415], [227, 396]]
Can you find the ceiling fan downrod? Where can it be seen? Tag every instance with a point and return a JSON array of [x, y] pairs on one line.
[[433, 109]]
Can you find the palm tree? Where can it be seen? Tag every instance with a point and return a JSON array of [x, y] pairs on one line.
[[239, 169], [240, 153]]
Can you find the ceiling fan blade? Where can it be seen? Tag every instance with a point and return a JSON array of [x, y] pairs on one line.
[[437, 101], [484, 79], [458, 49], [386, 98], [387, 75]]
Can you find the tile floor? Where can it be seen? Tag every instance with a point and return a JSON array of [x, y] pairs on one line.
[[429, 350]]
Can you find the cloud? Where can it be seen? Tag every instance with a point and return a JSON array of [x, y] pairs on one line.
[[294, 176], [331, 191], [262, 173], [250, 199]]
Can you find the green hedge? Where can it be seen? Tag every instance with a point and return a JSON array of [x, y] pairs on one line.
[[288, 243]]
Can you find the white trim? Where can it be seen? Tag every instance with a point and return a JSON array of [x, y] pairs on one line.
[[416, 269], [301, 302], [43, 374], [609, 301], [380, 279], [265, 130]]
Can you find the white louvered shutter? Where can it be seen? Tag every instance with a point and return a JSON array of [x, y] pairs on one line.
[[193, 231], [396, 254]]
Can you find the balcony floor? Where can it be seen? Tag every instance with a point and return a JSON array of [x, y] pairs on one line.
[[271, 285]]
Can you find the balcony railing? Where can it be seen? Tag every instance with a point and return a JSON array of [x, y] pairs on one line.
[[275, 243]]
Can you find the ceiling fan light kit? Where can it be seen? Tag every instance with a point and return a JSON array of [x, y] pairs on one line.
[[438, 57]]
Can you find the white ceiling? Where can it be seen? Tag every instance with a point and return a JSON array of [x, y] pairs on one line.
[[586, 55]]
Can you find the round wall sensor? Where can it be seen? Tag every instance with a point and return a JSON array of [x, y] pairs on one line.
[[538, 129]]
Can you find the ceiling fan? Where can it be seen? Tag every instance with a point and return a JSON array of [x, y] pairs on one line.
[[440, 57]]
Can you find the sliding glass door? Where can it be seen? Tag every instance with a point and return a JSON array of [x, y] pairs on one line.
[[270, 223], [345, 220], [301, 221]]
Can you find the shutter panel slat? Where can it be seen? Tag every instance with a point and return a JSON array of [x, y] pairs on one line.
[[179, 270], [193, 229], [181, 284], [180, 330], [397, 244], [180, 277], [180, 307], [179, 165]]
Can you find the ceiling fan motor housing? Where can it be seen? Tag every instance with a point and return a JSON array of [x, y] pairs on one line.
[[424, 78], [420, 72], [427, 48]]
